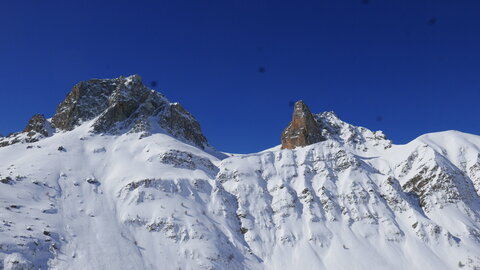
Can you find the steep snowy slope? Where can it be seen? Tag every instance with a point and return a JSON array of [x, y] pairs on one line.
[[117, 202], [98, 190], [330, 206]]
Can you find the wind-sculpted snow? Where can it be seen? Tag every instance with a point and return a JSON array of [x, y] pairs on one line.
[[82, 200]]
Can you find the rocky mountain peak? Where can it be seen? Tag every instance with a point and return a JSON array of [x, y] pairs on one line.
[[303, 129], [355, 137], [125, 104], [37, 128], [89, 99], [352, 201], [115, 106], [38, 124]]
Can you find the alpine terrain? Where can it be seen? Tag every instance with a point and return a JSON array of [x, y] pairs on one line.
[[121, 178]]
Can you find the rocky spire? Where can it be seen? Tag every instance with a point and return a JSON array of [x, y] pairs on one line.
[[303, 130]]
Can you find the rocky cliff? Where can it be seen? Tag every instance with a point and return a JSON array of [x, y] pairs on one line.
[[115, 106], [303, 129], [37, 128]]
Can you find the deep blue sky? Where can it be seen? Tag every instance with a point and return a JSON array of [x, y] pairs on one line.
[[404, 67]]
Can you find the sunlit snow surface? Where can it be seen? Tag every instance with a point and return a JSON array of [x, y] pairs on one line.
[[121, 202]]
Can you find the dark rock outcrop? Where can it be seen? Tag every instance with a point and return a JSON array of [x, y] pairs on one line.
[[125, 105], [37, 124], [37, 128], [86, 101], [303, 130], [121, 105]]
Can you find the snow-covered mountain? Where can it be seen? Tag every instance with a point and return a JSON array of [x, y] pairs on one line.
[[120, 178]]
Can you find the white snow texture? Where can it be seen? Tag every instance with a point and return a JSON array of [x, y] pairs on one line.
[[354, 201]]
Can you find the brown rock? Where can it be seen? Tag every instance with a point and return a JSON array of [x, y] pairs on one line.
[[303, 130]]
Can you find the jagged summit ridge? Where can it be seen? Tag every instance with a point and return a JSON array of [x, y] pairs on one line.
[[307, 128], [125, 104], [356, 137], [115, 106], [38, 124], [37, 128], [80, 200]]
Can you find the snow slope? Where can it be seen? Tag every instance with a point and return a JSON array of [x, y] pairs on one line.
[[85, 200]]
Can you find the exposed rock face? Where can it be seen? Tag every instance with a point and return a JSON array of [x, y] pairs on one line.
[[118, 106], [37, 128], [37, 124], [303, 130], [180, 123], [86, 101], [125, 105]]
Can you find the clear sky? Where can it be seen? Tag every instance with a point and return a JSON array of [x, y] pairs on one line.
[[406, 67]]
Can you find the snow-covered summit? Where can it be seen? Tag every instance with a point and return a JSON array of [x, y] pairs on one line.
[[89, 190], [356, 138], [307, 128]]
